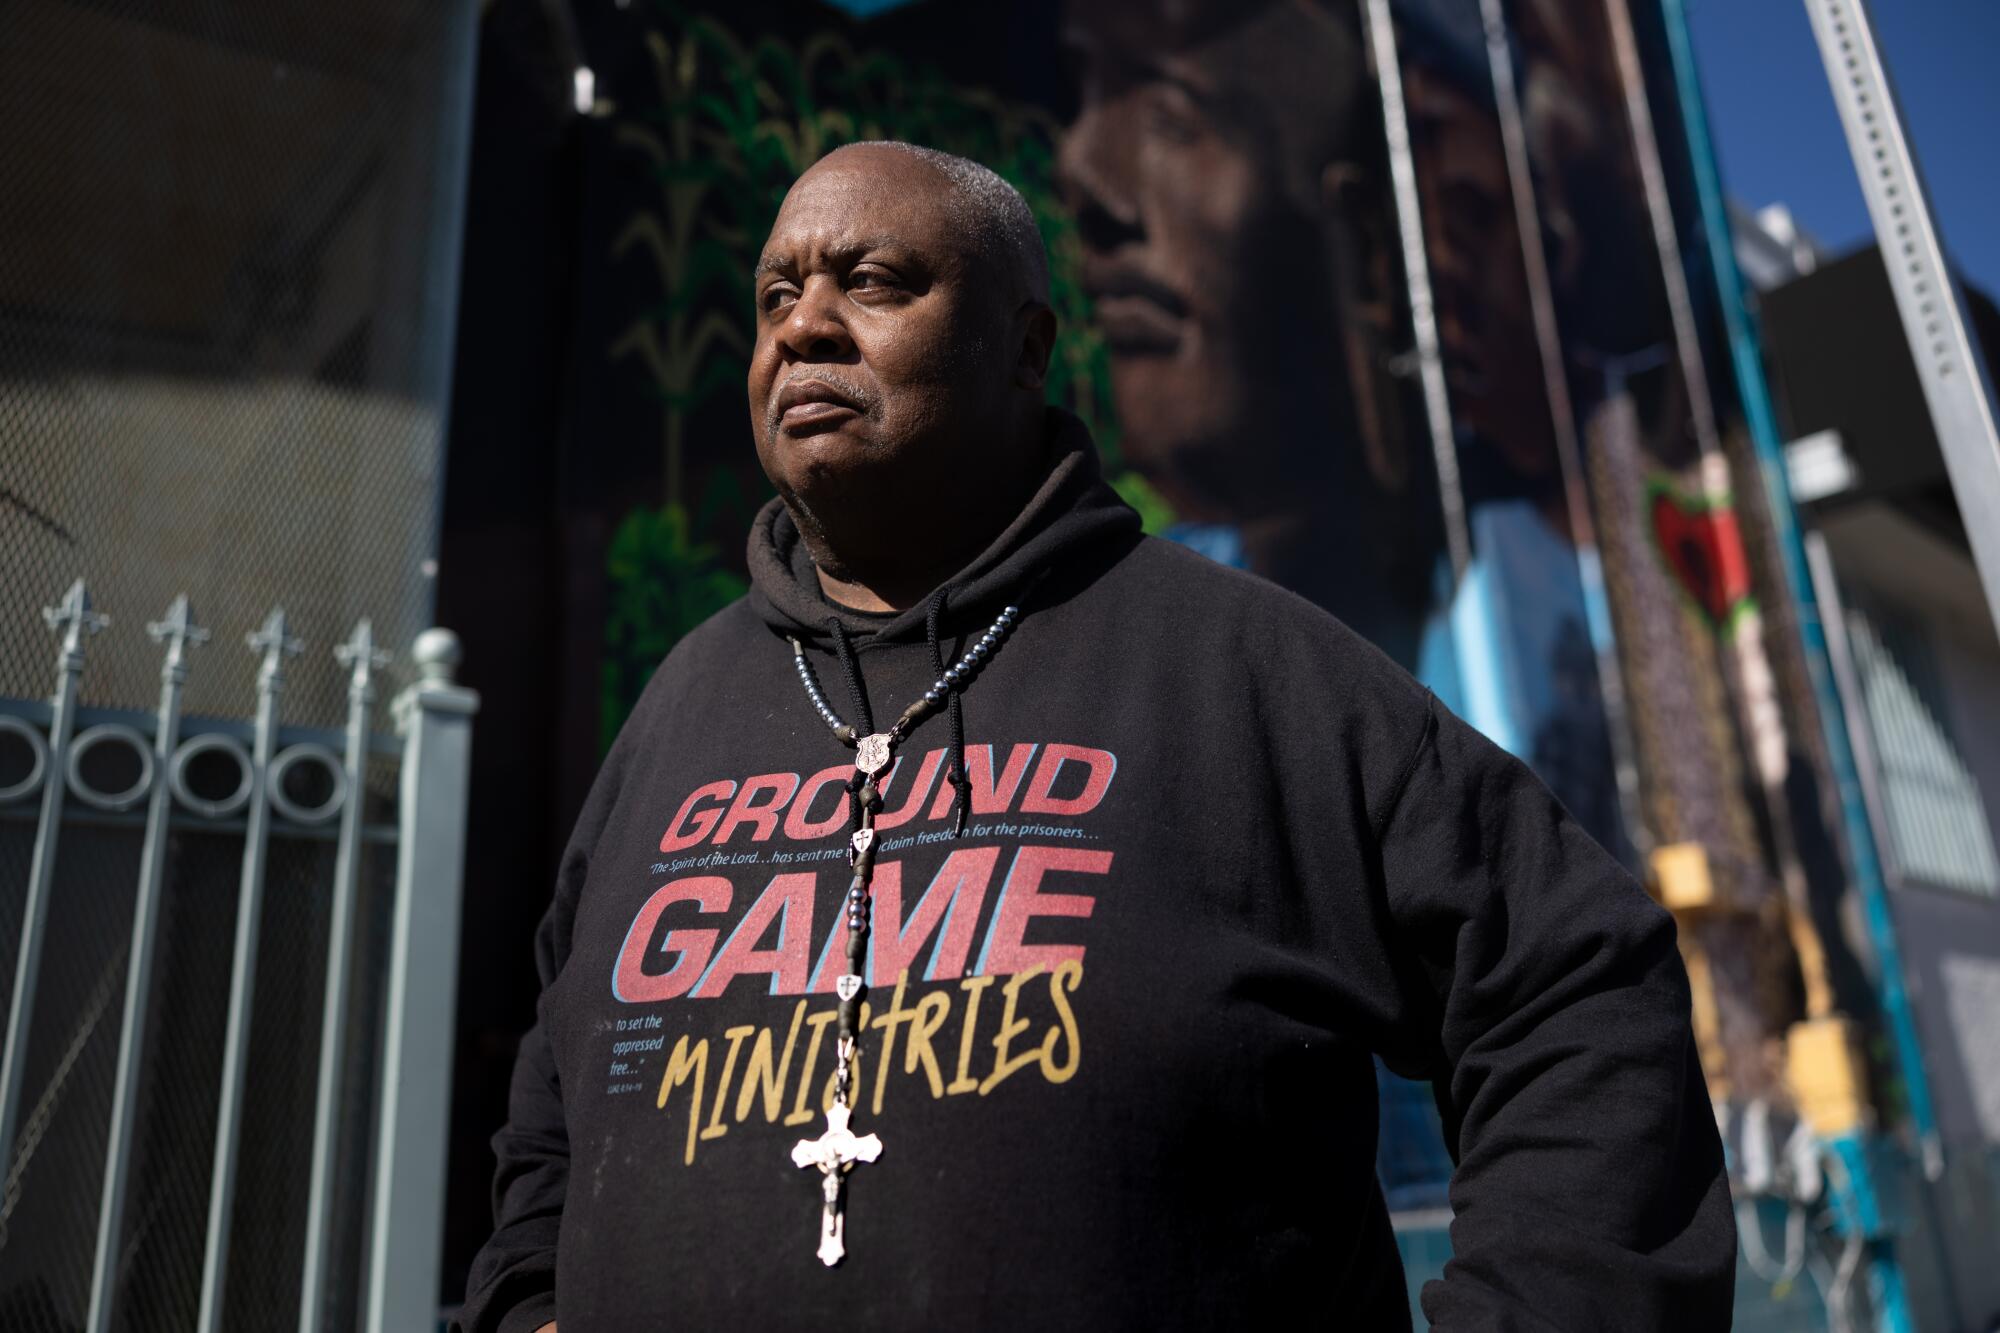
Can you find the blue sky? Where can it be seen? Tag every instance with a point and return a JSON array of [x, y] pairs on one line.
[[1780, 139]]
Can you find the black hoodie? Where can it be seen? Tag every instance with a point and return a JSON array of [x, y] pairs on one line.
[[1118, 1035]]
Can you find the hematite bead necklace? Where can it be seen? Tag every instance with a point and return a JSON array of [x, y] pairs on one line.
[[837, 1150]]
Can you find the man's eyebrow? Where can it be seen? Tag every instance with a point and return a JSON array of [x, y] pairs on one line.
[[844, 252]]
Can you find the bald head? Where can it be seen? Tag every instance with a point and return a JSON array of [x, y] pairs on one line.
[[995, 221]]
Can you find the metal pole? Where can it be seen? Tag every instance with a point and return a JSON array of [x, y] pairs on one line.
[[75, 621], [1381, 33], [450, 175], [360, 655], [276, 643], [179, 633], [407, 1232], [1948, 360], [1562, 416]]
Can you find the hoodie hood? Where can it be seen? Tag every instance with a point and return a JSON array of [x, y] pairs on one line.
[[1072, 511]]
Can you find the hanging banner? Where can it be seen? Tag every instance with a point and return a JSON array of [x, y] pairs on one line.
[[1691, 575]]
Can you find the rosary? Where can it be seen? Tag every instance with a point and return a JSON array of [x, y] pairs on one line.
[[837, 1150]]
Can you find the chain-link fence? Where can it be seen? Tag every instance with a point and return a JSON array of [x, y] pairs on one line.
[[227, 252], [228, 257]]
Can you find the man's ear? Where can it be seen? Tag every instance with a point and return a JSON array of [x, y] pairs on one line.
[[1035, 327], [1361, 247]]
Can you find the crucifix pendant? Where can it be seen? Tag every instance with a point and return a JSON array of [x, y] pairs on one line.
[[835, 1152]]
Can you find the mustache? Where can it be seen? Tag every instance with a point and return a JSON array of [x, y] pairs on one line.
[[864, 400]]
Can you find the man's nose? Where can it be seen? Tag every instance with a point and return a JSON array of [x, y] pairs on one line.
[[816, 329], [1095, 166]]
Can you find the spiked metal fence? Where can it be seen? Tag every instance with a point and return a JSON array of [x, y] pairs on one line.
[[215, 804]]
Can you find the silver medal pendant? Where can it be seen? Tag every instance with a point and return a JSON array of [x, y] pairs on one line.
[[871, 753]]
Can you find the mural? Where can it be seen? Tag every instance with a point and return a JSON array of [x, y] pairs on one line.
[[1564, 536], [1533, 653]]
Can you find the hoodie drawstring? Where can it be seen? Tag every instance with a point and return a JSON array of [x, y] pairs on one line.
[[844, 649]]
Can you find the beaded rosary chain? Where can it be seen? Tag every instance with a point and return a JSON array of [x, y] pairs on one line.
[[835, 1152], [956, 676]]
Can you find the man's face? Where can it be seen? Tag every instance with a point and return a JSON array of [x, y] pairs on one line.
[[1198, 199], [881, 355], [1485, 316]]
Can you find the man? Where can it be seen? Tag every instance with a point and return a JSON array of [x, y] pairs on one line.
[[1139, 881]]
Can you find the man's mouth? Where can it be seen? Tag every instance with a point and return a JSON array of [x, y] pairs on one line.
[[805, 404], [1139, 315]]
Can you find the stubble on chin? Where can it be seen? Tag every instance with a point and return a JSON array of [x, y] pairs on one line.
[[812, 531]]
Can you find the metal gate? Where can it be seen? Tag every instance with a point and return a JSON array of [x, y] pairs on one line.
[[227, 1058]]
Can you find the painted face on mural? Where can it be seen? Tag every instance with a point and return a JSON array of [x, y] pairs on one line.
[[1485, 316], [892, 363], [1592, 200], [1232, 248]]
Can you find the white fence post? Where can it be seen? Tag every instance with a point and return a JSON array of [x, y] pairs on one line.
[[434, 717]]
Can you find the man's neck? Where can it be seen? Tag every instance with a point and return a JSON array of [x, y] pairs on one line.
[[893, 560], [855, 595], [903, 574]]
